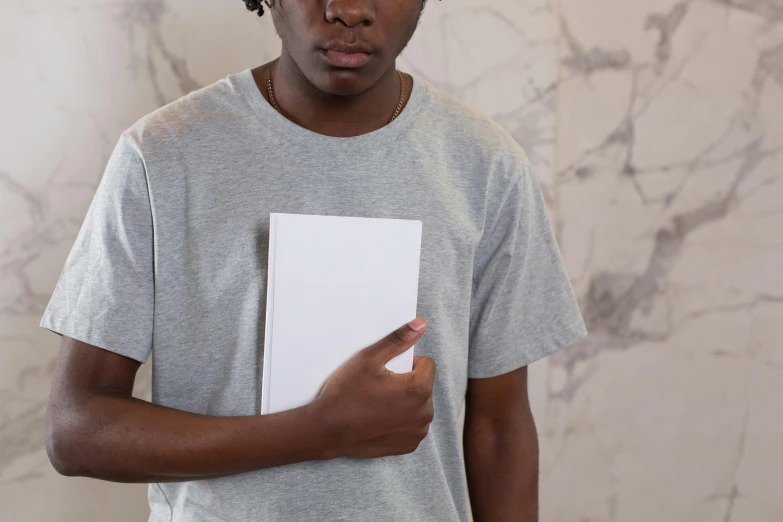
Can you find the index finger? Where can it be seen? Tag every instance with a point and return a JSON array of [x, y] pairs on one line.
[[423, 367]]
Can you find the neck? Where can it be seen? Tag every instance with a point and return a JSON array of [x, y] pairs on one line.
[[333, 115]]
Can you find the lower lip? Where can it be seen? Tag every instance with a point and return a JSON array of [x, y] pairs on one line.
[[350, 60]]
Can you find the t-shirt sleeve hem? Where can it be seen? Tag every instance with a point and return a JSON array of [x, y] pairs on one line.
[[80, 334], [534, 351]]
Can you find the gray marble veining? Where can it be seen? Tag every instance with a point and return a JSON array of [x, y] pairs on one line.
[[656, 129]]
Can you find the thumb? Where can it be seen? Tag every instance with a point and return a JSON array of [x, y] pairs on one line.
[[384, 350]]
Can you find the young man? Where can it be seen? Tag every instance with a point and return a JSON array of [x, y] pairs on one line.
[[171, 260]]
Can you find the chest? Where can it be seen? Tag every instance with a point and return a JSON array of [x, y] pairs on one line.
[[222, 217]]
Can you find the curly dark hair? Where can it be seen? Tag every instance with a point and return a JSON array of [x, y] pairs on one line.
[[252, 5]]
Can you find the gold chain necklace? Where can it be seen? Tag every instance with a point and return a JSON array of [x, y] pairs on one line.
[[270, 90]]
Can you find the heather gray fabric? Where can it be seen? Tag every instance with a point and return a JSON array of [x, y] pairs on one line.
[[171, 260]]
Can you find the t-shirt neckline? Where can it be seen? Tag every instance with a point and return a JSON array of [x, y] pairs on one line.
[[264, 110]]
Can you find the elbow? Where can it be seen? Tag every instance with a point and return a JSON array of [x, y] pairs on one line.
[[60, 441], [498, 440]]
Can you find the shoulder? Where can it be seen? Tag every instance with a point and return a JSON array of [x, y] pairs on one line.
[[189, 117], [469, 132]]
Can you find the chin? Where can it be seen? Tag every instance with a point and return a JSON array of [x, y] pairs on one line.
[[345, 82]]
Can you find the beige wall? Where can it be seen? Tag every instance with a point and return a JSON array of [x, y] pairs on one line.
[[657, 130]]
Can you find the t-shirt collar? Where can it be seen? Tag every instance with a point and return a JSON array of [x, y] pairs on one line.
[[247, 86]]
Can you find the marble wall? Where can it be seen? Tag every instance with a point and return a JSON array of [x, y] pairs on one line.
[[656, 128]]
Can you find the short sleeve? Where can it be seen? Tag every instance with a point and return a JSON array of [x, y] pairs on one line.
[[105, 293], [523, 306]]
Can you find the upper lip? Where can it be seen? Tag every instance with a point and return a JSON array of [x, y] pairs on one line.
[[343, 47]]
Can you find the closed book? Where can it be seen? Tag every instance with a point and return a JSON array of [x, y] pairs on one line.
[[336, 284]]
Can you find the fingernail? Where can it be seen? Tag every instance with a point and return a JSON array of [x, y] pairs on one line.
[[417, 324]]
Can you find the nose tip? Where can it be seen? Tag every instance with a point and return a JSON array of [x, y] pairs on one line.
[[350, 12]]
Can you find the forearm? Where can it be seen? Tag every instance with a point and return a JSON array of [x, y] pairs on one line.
[[125, 439], [502, 469]]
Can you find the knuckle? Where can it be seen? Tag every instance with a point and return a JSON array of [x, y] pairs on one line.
[[432, 370], [426, 416], [398, 337]]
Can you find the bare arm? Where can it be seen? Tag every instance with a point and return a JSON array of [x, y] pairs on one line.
[[95, 428], [501, 449]]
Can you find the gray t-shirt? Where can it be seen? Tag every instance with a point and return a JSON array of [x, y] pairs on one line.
[[172, 256]]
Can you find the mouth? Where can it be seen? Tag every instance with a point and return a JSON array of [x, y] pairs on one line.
[[347, 58]]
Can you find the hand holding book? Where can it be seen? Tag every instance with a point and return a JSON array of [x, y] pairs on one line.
[[370, 411]]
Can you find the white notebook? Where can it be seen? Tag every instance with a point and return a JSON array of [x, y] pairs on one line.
[[335, 285]]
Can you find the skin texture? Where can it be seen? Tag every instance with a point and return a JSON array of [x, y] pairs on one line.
[[95, 428], [501, 449]]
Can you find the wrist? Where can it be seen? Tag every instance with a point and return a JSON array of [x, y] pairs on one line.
[[323, 430]]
